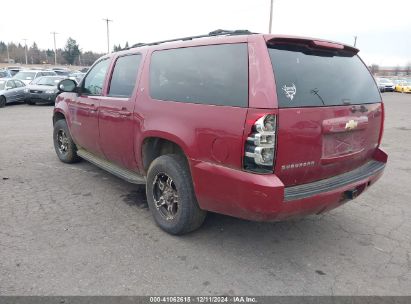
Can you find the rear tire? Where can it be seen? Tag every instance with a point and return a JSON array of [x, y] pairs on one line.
[[2, 101], [29, 102], [171, 197], [63, 143]]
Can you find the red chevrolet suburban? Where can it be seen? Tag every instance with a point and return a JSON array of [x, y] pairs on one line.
[[255, 126]]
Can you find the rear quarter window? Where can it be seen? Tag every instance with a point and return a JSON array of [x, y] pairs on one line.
[[214, 74], [307, 78]]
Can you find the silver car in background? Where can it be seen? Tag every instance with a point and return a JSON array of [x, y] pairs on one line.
[[43, 90], [389, 86], [28, 76], [11, 90]]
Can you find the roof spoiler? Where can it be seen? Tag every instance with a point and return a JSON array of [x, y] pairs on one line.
[[314, 44]]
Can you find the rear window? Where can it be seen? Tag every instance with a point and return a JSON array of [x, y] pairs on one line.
[[307, 78], [214, 74]]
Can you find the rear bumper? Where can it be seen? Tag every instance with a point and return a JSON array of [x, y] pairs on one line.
[[264, 197]]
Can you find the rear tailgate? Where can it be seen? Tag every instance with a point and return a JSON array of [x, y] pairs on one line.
[[330, 110]]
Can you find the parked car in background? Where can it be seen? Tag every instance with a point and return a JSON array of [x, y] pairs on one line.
[[62, 72], [381, 86], [28, 76], [403, 86], [42, 90], [14, 69], [397, 83], [5, 74], [207, 125], [77, 76], [11, 90], [389, 86]]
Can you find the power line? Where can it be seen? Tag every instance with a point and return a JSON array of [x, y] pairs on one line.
[[108, 35], [55, 49]]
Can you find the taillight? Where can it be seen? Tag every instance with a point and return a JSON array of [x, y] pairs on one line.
[[382, 124], [259, 150]]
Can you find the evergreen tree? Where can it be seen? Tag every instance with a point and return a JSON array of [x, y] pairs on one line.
[[71, 51]]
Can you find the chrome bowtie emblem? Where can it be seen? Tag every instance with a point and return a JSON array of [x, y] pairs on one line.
[[351, 125]]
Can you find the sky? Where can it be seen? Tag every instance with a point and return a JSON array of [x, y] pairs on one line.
[[383, 27]]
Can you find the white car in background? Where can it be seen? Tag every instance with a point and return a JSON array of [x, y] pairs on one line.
[[28, 76], [389, 86]]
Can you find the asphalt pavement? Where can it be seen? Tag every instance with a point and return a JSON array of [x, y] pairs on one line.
[[77, 230]]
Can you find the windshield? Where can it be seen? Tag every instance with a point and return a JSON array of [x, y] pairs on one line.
[[48, 81], [2, 84], [25, 75], [384, 80], [311, 78]]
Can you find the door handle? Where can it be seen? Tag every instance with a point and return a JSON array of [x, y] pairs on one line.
[[124, 113], [93, 108]]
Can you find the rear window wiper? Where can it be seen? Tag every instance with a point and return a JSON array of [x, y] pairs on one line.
[[315, 92]]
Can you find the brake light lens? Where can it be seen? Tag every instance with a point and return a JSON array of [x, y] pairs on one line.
[[260, 145]]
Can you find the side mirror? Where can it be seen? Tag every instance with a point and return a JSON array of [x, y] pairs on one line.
[[67, 85]]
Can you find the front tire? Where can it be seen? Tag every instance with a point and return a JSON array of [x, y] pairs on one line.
[[2, 101], [171, 197], [63, 143], [29, 102]]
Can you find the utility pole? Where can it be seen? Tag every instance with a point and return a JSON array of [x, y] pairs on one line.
[[25, 48], [108, 35], [55, 49], [8, 53], [355, 41], [271, 17]]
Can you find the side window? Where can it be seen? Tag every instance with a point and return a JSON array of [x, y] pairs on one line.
[[18, 83], [94, 81], [39, 74], [124, 76], [214, 74], [11, 84]]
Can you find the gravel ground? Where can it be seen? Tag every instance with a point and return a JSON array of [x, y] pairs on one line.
[[77, 230]]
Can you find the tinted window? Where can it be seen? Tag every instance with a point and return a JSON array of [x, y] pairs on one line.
[[124, 76], [93, 83], [215, 74], [307, 78]]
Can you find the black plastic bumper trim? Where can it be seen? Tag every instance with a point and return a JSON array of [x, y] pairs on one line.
[[306, 190]]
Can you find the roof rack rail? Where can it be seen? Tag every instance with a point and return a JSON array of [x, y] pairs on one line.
[[218, 32]]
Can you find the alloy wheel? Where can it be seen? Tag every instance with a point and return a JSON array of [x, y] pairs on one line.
[[165, 196]]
